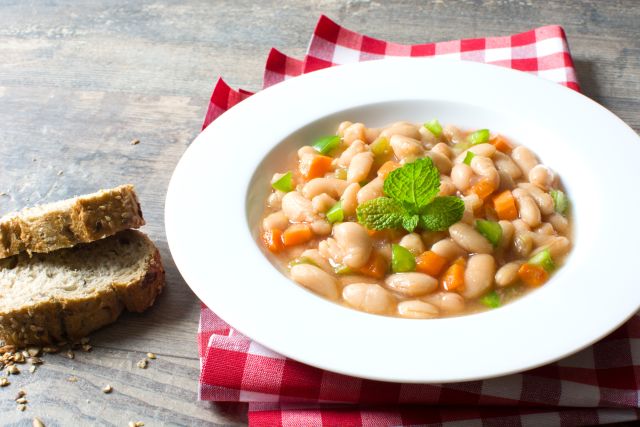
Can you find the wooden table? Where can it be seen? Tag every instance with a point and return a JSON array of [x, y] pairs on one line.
[[78, 82]]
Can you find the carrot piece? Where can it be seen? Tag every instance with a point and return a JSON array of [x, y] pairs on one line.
[[502, 144], [273, 240], [376, 267], [318, 167], [533, 275], [505, 206], [297, 234], [387, 168], [482, 188], [453, 278], [430, 263]]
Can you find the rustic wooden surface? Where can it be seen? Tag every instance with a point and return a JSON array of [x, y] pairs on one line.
[[80, 80]]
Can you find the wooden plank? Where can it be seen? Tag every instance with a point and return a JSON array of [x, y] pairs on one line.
[[80, 80]]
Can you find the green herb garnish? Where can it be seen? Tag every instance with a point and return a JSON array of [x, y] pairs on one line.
[[560, 201], [326, 144], [491, 300], [434, 127], [411, 201], [284, 183], [544, 260], [401, 259], [479, 137]]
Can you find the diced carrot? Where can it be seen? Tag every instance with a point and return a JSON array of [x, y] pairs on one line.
[[430, 263], [483, 188], [273, 240], [533, 275], [453, 278], [387, 168], [505, 206], [376, 267], [297, 234], [318, 167], [502, 144]]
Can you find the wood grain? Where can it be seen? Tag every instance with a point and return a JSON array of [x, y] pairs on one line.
[[80, 80]]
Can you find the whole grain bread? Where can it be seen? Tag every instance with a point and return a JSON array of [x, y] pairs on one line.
[[64, 295], [64, 224]]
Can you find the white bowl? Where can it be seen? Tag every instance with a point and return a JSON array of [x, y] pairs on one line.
[[217, 194]]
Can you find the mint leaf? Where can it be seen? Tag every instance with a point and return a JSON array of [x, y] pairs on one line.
[[414, 184], [380, 214], [410, 222], [442, 213]]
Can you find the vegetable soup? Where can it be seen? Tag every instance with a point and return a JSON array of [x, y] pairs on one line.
[[417, 221]]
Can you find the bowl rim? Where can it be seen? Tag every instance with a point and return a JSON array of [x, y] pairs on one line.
[[365, 342]]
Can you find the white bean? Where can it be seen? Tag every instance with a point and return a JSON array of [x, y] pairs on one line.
[[353, 133], [559, 222], [447, 302], [484, 150], [322, 203], [342, 127], [478, 276], [443, 149], [453, 134], [505, 164], [315, 279], [350, 199], [307, 152], [527, 207], [275, 220], [524, 158], [356, 243], [461, 174], [371, 298], [448, 249], [484, 167], [413, 243], [508, 231], [416, 309], [320, 227], [506, 182], [297, 208], [314, 256], [523, 243], [275, 199], [558, 247], [507, 274], [360, 167], [541, 176], [406, 148], [428, 139], [411, 284], [447, 188], [442, 162], [334, 187], [468, 238], [542, 198], [401, 128], [371, 191], [356, 278], [352, 150], [371, 134]]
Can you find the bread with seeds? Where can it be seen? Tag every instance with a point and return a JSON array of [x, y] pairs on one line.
[[67, 223], [66, 294]]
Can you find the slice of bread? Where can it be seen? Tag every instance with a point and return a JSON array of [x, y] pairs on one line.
[[64, 295], [66, 223]]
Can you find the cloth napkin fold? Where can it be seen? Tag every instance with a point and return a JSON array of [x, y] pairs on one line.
[[598, 385]]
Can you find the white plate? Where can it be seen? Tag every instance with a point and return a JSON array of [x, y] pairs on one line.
[[218, 189]]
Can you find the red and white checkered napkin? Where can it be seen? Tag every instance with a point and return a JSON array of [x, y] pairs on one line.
[[598, 385]]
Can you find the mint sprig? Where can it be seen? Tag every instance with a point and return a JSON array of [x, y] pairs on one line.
[[412, 201]]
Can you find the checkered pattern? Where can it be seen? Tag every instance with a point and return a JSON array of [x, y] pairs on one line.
[[598, 385]]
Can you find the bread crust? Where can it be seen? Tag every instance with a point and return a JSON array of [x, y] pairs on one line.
[[65, 224], [62, 319]]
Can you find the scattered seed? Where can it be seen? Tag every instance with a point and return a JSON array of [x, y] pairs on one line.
[[131, 424], [21, 400], [139, 424], [18, 358], [135, 142], [21, 407], [4, 382], [142, 364], [25, 353], [37, 422], [72, 379], [35, 360], [70, 354], [151, 355], [50, 349], [60, 173], [2, 193], [21, 393], [107, 389], [33, 351], [13, 370], [32, 369], [86, 348]]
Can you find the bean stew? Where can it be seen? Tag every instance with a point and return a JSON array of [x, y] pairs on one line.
[[417, 221]]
